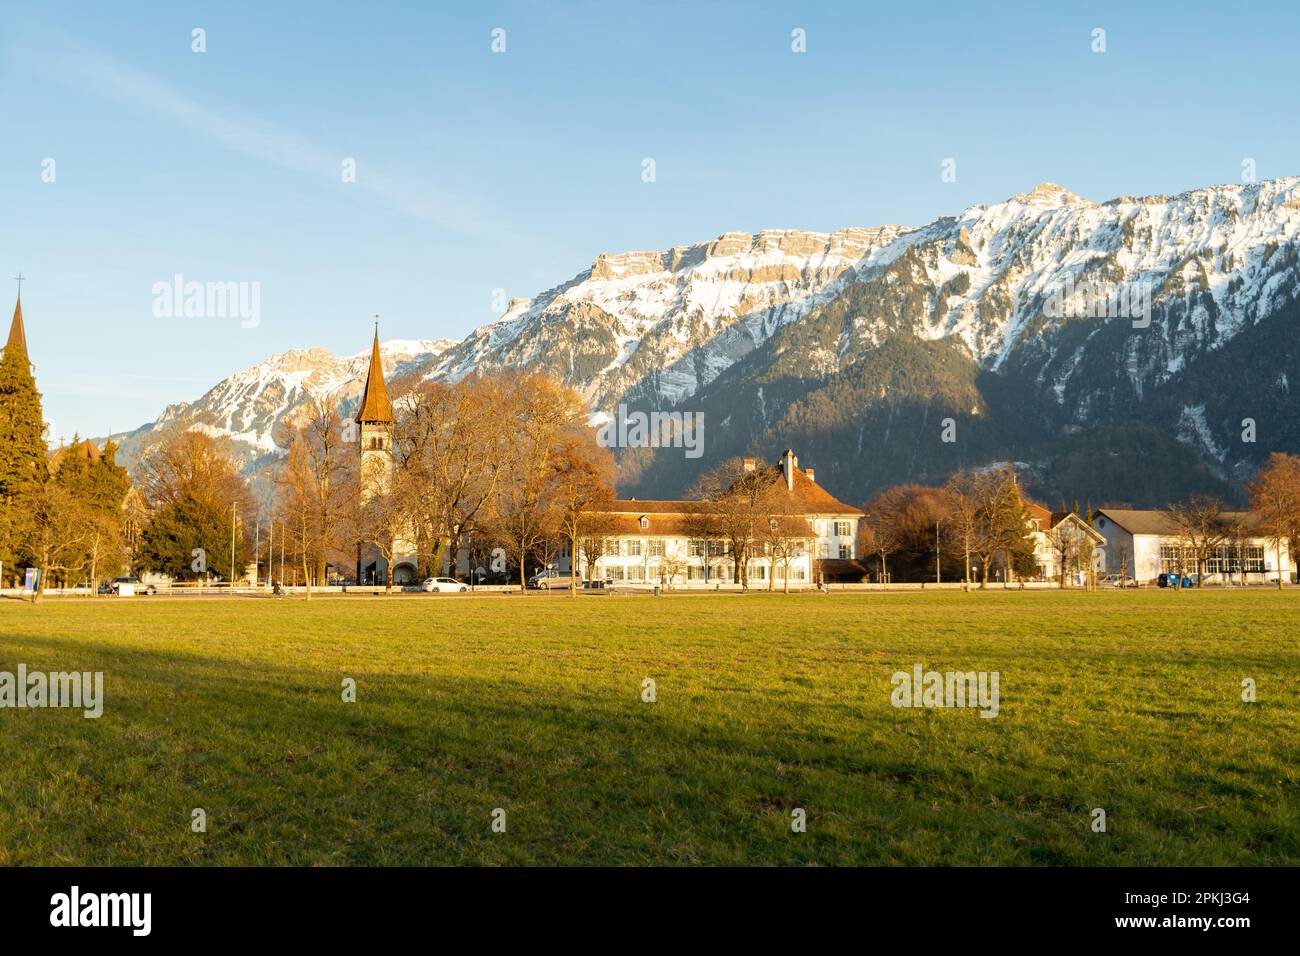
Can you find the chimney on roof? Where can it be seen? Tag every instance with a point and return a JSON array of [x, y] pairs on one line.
[[750, 464], [812, 475], [788, 464]]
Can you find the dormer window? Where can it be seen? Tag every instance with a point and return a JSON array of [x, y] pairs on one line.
[[644, 522]]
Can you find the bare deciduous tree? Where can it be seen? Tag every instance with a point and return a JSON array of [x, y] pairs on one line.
[[1275, 503], [737, 498], [1202, 526]]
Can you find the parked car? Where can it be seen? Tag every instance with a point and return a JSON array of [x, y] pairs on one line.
[[1173, 581], [1119, 581], [439, 585], [126, 587], [550, 579]]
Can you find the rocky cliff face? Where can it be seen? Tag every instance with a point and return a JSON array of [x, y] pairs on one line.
[[656, 326]]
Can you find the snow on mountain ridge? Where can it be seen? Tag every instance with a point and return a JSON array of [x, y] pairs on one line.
[[658, 326], [247, 406], [697, 307]]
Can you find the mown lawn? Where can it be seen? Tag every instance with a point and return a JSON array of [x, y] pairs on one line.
[[765, 703]]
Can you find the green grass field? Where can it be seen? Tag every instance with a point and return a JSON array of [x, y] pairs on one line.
[[1126, 701]]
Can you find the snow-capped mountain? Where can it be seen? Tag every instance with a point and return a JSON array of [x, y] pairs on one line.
[[247, 406], [1095, 341], [659, 325], [1028, 321]]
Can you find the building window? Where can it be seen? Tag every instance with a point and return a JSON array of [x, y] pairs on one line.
[[645, 522], [697, 549], [615, 572], [846, 551], [634, 549], [656, 549], [1233, 559], [636, 573], [694, 573], [1174, 559], [843, 529]]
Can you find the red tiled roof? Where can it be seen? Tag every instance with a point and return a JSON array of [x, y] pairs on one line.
[[807, 497], [1039, 513], [811, 496], [636, 506]]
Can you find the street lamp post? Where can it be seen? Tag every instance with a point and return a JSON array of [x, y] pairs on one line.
[[937, 571]]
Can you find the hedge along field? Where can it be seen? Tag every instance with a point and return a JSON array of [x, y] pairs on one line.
[[764, 704]]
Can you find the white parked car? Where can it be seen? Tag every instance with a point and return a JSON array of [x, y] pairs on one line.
[[1119, 581], [444, 584]]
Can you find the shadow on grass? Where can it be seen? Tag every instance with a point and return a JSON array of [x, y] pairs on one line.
[[288, 773]]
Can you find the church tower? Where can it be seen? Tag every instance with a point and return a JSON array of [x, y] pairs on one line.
[[376, 421], [376, 424]]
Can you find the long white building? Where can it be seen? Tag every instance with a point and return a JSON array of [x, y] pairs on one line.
[[658, 541], [1148, 543]]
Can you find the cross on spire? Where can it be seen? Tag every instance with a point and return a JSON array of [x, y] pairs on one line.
[[19, 279]]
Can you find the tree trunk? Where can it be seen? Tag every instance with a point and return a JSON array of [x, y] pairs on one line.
[[573, 565]]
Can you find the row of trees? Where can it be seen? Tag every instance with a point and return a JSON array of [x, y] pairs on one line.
[[68, 521], [977, 524], [508, 462], [972, 527], [503, 462]]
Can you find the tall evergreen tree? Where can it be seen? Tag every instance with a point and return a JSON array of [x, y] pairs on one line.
[[22, 445], [94, 478], [22, 448]]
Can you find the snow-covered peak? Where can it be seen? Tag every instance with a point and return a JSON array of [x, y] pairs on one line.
[[1048, 194], [249, 405]]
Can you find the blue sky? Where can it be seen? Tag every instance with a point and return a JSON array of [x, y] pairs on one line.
[[479, 171]]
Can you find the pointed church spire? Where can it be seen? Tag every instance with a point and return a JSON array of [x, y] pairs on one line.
[[17, 344], [375, 406]]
